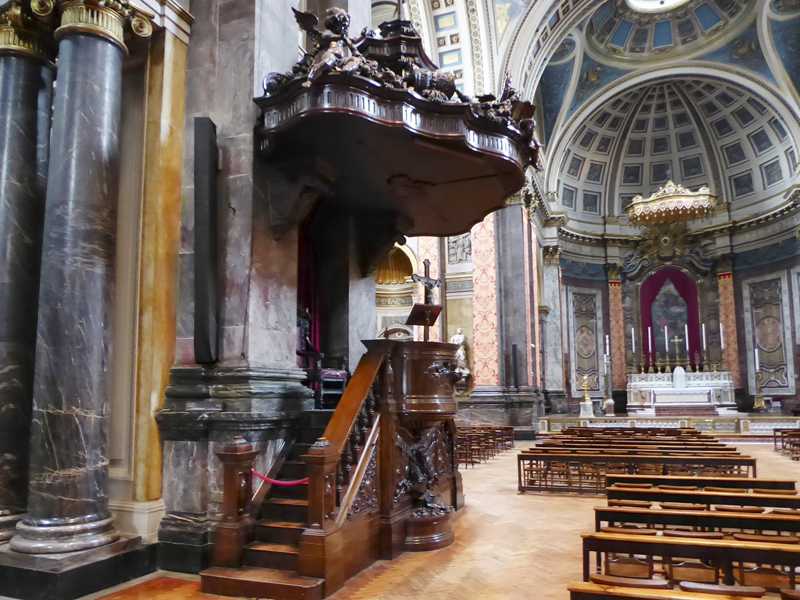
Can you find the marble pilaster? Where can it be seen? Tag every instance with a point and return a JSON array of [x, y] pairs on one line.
[[67, 504], [552, 330], [727, 318], [616, 333], [486, 351], [25, 91]]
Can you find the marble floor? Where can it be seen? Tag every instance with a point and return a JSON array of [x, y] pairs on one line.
[[508, 546]]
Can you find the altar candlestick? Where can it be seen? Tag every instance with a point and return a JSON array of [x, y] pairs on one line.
[[722, 336], [704, 337], [607, 352], [758, 366], [666, 340], [649, 340], [686, 337], [633, 341]]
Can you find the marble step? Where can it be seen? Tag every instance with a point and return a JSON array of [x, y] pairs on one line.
[[256, 582], [286, 509], [279, 532], [271, 555]]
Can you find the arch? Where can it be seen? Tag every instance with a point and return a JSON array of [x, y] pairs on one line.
[[395, 268], [686, 287]]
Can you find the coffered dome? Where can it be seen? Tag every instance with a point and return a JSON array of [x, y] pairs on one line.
[[696, 132], [641, 30]]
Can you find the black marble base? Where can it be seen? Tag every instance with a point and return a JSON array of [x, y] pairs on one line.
[[68, 576], [184, 558]]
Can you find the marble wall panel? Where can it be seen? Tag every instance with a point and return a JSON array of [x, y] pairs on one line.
[[768, 320], [552, 333], [586, 340]]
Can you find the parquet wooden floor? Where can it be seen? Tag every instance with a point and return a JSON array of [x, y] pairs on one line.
[[508, 546]]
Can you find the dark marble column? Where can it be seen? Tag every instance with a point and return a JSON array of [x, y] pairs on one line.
[[25, 93], [67, 501]]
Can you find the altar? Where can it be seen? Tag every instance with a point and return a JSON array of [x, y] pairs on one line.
[[680, 392]]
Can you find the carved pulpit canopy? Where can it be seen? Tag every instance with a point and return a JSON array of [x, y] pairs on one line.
[[672, 203], [370, 123]]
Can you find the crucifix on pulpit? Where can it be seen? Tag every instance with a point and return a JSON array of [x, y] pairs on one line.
[[425, 314]]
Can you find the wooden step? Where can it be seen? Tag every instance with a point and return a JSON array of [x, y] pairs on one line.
[[279, 532], [286, 509], [299, 449], [271, 556], [255, 582]]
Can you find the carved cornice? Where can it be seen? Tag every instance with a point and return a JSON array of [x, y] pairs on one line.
[[551, 255], [108, 19], [22, 32]]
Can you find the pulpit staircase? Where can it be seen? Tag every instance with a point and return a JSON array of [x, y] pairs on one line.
[[258, 545], [269, 562]]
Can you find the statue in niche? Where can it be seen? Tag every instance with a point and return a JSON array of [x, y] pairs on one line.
[[462, 368]]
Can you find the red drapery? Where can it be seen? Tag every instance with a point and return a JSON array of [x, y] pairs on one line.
[[687, 288]]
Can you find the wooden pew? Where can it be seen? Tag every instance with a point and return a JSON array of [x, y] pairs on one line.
[[720, 553], [701, 482], [594, 591], [662, 518], [704, 497], [533, 467]]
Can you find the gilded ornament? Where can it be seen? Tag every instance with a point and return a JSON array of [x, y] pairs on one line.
[[108, 19], [672, 203], [20, 33], [141, 26], [43, 8]]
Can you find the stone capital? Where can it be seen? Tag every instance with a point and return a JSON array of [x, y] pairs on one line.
[[108, 19], [23, 32]]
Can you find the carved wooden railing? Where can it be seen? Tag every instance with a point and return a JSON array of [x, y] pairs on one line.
[[340, 460]]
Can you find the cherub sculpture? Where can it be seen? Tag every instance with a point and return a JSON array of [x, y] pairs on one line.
[[332, 48]]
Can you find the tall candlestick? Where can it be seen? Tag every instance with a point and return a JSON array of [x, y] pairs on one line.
[[633, 341], [704, 337], [758, 365], [722, 336], [607, 352], [649, 340], [686, 337], [666, 340]]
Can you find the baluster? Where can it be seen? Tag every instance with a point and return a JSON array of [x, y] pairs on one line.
[[340, 483], [355, 444], [371, 405], [347, 461]]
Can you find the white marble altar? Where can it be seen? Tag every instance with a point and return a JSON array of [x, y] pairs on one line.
[[649, 391]]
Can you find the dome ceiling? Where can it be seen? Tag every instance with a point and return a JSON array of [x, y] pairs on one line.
[[693, 131], [669, 28]]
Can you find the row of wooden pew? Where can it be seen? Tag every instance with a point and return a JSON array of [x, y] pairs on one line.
[[580, 459], [787, 441], [684, 537], [478, 444]]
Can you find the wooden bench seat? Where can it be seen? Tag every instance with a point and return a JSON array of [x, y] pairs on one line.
[[634, 582], [707, 498], [596, 591], [702, 482], [738, 591], [663, 518], [722, 554]]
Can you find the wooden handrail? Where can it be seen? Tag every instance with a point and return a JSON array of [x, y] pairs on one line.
[[341, 423], [358, 476]]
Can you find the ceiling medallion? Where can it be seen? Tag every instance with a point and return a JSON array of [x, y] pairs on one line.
[[672, 203]]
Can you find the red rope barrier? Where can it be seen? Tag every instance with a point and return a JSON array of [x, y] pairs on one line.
[[278, 482]]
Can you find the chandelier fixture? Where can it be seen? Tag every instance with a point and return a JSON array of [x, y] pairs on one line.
[[672, 203]]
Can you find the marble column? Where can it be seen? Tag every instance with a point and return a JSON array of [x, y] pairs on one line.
[[67, 498], [727, 319], [552, 330], [26, 81]]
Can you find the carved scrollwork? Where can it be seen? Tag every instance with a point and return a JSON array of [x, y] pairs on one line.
[[367, 498]]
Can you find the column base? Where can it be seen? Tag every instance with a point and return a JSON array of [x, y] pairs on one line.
[[59, 539], [184, 543], [75, 574], [8, 524]]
